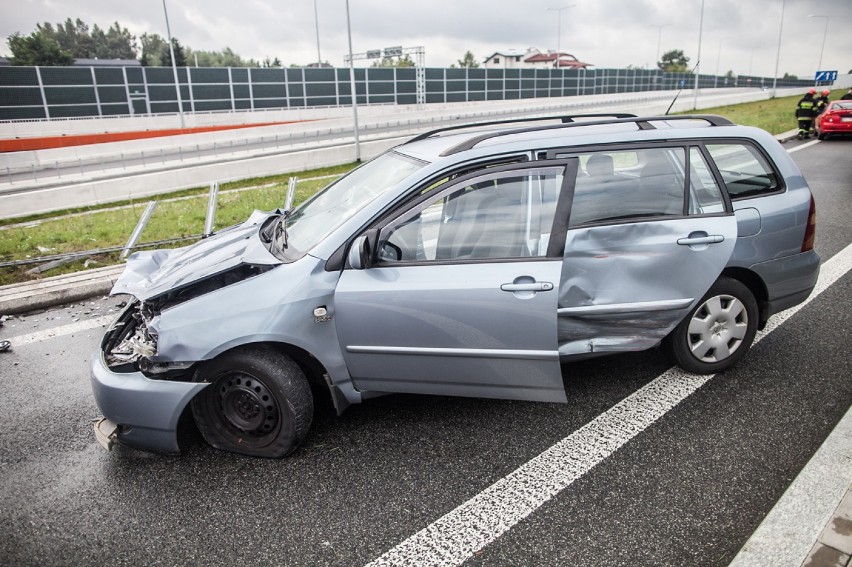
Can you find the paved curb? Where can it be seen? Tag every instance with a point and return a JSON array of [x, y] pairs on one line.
[[47, 292], [787, 136], [56, 290], [811, 524]]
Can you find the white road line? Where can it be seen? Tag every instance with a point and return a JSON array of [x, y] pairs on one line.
[[803, 146], [77, 327], [456, 536]]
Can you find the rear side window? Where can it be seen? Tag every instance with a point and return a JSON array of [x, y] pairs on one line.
[[745, 171], [613, 186], [705, 197]]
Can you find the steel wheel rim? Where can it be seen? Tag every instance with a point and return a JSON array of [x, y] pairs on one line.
[[717, 329], [247, 406]]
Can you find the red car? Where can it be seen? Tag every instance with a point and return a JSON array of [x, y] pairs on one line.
[[837, 119]]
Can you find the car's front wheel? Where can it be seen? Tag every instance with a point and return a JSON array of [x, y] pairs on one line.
[[258, 403], [718, 331]]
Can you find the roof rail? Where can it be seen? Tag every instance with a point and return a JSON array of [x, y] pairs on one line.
[[564, 118], [644, 123]]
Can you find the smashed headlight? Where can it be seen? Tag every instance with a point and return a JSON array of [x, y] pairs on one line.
[[130, 344], [129, 340]]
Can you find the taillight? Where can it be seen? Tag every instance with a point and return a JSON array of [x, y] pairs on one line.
[[810, 229]]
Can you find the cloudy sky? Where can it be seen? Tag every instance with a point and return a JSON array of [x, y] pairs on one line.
[[739, 35]]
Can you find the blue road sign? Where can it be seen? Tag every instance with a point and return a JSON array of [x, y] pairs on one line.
[[825, 76]]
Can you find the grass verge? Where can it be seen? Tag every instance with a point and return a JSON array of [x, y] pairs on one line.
[[775, 115], [177, 216], [181, 214]]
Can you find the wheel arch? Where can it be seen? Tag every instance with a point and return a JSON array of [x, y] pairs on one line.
[[313, 369], [756, 286]]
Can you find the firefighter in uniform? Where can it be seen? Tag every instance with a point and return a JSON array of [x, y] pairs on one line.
[[822, 102], [805, 112]]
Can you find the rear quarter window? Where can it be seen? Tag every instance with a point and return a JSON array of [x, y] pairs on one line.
[[745, 171]]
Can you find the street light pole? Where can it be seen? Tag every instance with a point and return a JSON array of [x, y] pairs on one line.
[[659, 38], [174, 66], [822, 49], [316, 19], [778, 51], [559, 31], [718, 60], [352, 86], [698, 62]]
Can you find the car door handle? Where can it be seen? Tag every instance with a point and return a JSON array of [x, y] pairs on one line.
[[535, 286], [693, 240]]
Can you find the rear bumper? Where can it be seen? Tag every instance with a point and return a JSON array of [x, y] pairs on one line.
[[835, 127], [789, 280], [146, 411]]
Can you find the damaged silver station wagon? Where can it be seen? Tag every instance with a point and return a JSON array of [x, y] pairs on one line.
[[468, 261]]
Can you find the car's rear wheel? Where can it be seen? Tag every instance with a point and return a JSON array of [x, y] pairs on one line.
[[258, 403], [718, 331]]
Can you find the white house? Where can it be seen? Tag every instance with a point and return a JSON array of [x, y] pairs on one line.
[[507, 59], [532, 58]]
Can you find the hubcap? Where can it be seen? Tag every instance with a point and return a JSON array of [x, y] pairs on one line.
[[248, 405], [717, 328]]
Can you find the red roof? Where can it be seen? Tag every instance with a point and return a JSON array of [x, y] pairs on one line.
[[541, 57], [573, 62]]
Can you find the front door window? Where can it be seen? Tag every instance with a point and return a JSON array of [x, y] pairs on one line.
[[500, 215]]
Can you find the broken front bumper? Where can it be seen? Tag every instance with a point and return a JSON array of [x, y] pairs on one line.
[[146, 411]]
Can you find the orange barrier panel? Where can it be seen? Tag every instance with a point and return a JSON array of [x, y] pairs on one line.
[[49, 142]]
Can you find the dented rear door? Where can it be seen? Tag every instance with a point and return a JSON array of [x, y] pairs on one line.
[[642, 248]]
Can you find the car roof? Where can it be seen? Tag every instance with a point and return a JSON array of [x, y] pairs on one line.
[[519, 134]]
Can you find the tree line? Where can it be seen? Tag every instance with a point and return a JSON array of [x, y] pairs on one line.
[[64, 42]]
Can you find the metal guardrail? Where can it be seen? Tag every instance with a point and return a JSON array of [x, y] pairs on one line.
[[237, 111], [46, 263]]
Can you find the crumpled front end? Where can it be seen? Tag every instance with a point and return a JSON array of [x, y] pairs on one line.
[[145, 411], [141, 400], [140, 390]]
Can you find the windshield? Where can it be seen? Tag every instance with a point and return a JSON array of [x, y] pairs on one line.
[[327, 210]]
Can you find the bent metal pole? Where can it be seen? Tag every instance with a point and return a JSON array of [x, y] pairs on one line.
[[174, 66], [352, 86]]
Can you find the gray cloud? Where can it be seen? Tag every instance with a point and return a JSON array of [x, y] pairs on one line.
[[737, 35]]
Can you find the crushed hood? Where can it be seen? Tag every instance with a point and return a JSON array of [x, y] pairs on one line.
[[149, 274]]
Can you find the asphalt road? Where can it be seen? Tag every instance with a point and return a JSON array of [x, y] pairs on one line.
[[687, 490]]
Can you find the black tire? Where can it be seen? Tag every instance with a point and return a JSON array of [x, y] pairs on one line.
[[718, 332], [259, 403]]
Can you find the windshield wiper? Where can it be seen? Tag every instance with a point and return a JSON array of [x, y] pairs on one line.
[[281, 227]]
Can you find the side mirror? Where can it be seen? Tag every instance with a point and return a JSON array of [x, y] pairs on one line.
[[362, 251]]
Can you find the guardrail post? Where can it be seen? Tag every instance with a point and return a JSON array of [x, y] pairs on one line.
[[211, 210], [137, 232], [291, 193]]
